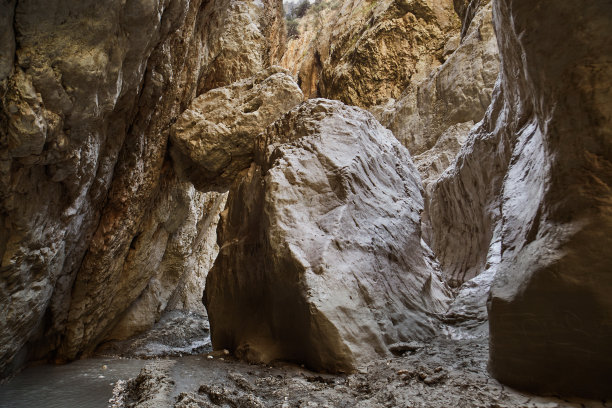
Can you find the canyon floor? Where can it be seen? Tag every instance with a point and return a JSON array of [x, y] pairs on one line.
[[443, 373], [180, 370], [448, 371]]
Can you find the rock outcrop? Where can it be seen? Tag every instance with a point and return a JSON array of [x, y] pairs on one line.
[[431, 109], [92, 214], [550, 309], [214, 138], [538, 174], [463, 231], [321, 256], [434, 116], [364, 52]]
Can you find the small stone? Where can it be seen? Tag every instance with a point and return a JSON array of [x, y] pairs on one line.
[[403, 347]]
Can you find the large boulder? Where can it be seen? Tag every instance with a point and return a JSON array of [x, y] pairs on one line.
[[213, 139], [321, 256]]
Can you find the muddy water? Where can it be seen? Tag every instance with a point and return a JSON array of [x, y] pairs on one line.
[[83, 384]]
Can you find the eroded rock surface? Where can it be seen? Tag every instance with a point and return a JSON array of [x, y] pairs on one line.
[[321, 256], [364, 52], [463, 232], [550, 309], [215, 137], [538, 212], [433, 117], [92, 215]]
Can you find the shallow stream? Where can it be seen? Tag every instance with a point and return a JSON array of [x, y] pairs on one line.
[[82, 384]]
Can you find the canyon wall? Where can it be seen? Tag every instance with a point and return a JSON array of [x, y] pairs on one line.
[[97, 229], [123, 124], [529, 198], [550, 309], [364, 52]]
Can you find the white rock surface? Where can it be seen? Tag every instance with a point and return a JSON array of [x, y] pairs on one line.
[[321, 256]]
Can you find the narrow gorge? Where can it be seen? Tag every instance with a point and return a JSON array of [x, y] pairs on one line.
[[328, 203]]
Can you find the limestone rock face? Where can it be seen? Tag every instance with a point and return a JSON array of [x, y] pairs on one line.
[[364, 52], [179, 243], [321, 256], [538, 174], [239, 38], [272, 23], [434, 116], [550, 309], [90, 207], [214, 138], [463, 231]]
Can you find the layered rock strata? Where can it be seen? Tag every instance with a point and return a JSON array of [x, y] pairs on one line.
[[90, 207], [321, 256]]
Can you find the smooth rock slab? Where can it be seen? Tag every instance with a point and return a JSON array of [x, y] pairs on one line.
[[321, 256]]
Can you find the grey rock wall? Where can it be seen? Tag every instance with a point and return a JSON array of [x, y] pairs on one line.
[[527, 200], [550, 309]]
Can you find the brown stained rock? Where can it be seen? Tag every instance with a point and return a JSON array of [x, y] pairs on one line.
[[272, 22], [86, 65], [321, 259], [363, 52], [236, 46], [136, 241], [434, 116], [214, 137]]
